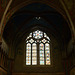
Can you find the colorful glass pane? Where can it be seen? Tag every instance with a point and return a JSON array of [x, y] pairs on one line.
[[45, 35], [28, 54], [44, 41], [30, 35], [31, 40], [41, 54], [34, 54], [27, 42], [47, 52], [38, 34]]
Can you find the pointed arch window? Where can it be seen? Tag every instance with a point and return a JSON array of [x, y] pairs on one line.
[[41, 54], [38, 48], [28, 54], [34, 54]]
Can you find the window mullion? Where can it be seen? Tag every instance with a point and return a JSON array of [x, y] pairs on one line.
[[31, 54], [38, 60], [44, 55]]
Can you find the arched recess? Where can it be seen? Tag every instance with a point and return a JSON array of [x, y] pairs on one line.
[[42, 40], [51, 46], [7, 16], [39, 51]]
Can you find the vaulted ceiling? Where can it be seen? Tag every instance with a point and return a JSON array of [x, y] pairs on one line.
[[26, 18], [18, 17]]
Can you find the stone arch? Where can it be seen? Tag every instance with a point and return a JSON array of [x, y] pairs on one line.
[[10, 13]]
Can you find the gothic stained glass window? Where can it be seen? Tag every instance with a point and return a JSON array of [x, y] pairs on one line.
[[28, 54], [41, 54], [47, 53], [38, 45], [34, 54]]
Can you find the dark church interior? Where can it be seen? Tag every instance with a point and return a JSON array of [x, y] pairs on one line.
[[37, 37]]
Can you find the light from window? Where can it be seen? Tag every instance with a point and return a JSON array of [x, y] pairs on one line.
[[31, 40], [28, 54], [38, 48], [47, 51], [30, 35], [37, 34], [45, 35], [44, 41], [34, 54], [41, 54]]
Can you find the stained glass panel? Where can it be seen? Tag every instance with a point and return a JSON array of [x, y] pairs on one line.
[[47, 53], [38, 34], [31, 40], [30, 35], [34, 54], [41, 54], [28, 54], [27, 42], [44, 41], [45, 35]]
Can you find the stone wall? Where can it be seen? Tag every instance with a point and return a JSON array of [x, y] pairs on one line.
[[56, 60]]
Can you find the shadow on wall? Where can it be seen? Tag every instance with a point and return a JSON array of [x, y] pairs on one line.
[[72, 72]]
